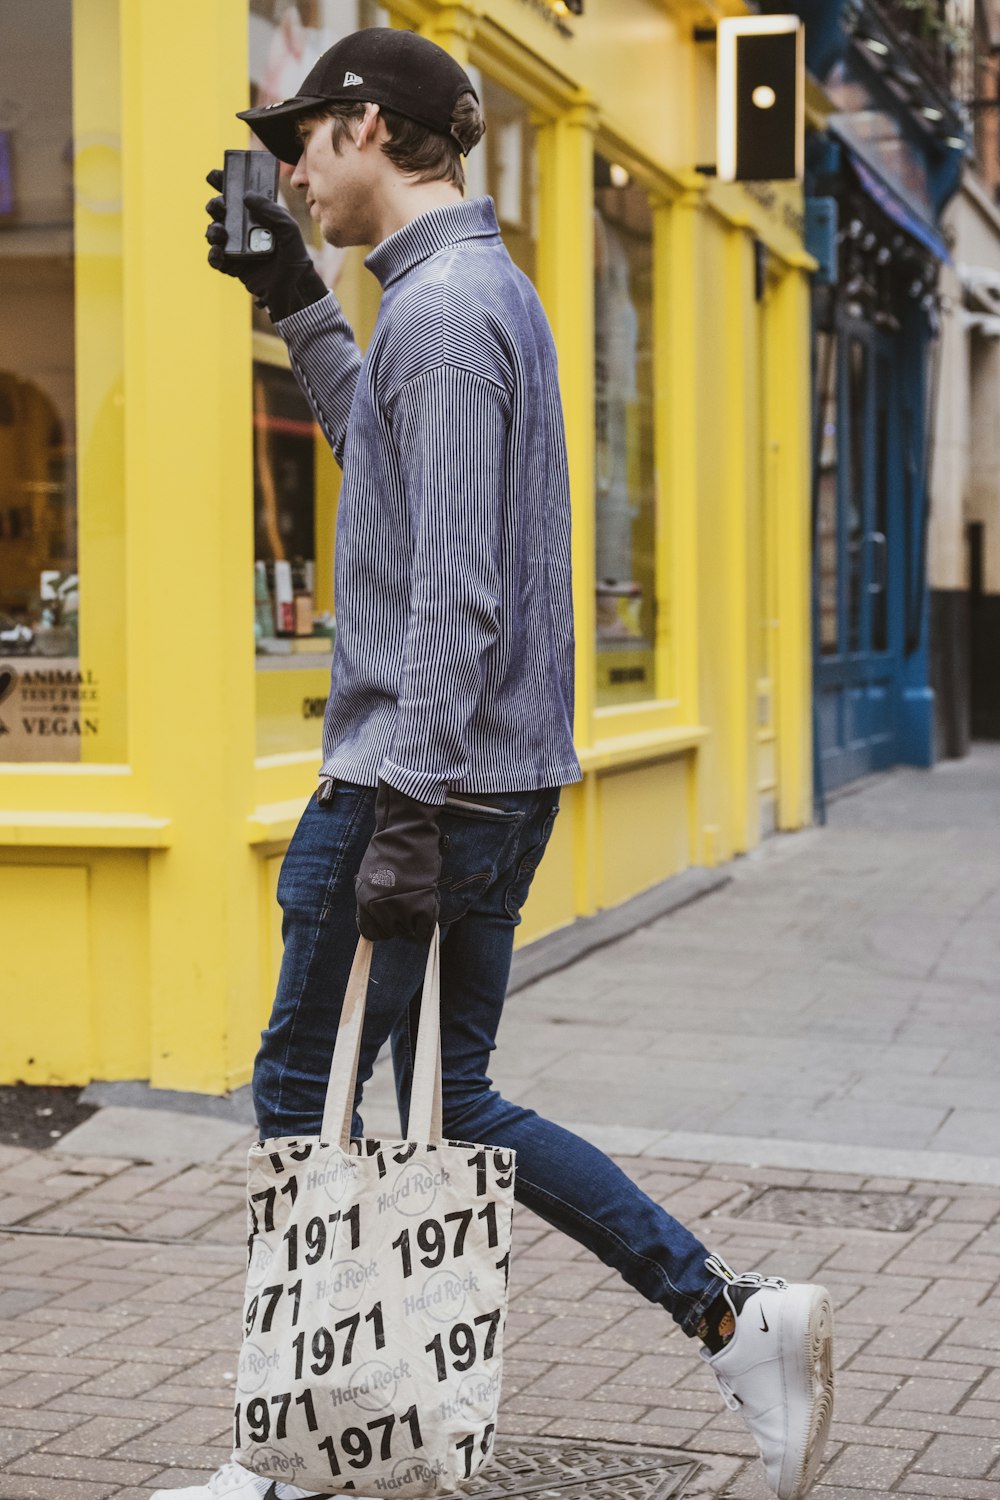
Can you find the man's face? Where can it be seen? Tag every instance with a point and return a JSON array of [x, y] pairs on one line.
[[337, 186]]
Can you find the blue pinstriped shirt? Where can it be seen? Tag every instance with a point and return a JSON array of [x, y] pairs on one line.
[[453, 667]]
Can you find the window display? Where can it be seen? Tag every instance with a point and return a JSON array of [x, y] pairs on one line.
[[55, 175], [296, 479], [623, 418]]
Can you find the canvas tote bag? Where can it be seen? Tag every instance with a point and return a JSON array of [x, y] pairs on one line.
[[376, 1289]]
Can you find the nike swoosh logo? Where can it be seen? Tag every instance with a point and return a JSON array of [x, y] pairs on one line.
[[272, 1493], [764, 1327]]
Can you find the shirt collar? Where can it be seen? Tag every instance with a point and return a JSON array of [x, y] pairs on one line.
[[433, 231]]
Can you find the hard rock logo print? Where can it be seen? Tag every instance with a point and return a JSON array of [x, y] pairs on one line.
[[346, 1285], [414, 1190]]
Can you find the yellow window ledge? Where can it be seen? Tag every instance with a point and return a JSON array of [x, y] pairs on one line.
[[275, 822], [82, 830], [642, 746]]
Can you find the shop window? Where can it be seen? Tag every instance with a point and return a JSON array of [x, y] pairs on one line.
[[624, 430], [296, 478], [59, 259], [505, 166], [828, 552]]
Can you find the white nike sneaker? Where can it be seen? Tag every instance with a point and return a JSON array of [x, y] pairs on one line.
[[233, 1482], [777, 1372]]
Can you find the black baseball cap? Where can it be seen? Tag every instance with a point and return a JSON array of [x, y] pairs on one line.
[[398, 69]]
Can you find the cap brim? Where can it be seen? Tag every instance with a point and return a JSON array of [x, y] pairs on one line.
[[275, 124]]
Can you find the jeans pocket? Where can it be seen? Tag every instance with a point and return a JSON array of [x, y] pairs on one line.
[[477, 839], [326, 848], [517, 891]]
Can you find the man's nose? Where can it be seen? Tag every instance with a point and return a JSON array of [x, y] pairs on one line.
[[300, 178]]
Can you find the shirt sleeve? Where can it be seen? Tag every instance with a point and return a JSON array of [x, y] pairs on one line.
[[326, 360], [450, 433]]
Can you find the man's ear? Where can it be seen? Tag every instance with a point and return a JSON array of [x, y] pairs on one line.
[[368, 128]]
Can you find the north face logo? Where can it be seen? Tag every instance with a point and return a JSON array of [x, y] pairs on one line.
[[350, 79]]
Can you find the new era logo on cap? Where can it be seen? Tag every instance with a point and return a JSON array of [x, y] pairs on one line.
[[351, 78]]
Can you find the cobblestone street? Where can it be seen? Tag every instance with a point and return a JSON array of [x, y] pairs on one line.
[[831, 1114]]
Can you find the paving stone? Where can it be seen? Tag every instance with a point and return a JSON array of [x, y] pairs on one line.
[[103, 1470], [152, 1407], [147, 1450], [99, 1435], [15, 1442], [43, 1487], [873, 1435], [869, 1468], [944, 1487], [926, 1394], [912, 1337], [959, 1423], [960, 1457], [127, 1379], [47, 1420], [33, 1390]]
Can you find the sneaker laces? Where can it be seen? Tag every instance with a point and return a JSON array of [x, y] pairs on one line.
[[727, 1393], [755, 1281], [750, 1279]]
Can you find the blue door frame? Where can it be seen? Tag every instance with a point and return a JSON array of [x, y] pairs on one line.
[[873, 706]]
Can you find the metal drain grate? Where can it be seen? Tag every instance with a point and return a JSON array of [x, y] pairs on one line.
[[896, 1212], [579, 1470]]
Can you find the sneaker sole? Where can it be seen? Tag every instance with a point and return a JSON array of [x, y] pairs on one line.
[[816, 1353]]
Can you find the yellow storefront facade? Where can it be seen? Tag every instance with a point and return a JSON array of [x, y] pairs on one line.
[[167, 510]]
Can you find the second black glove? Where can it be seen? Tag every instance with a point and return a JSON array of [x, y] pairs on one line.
[[397, 884]]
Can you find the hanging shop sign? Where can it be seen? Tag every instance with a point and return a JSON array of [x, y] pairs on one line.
[[761, 99]]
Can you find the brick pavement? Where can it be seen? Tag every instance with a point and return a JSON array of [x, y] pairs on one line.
[[119, 1326]]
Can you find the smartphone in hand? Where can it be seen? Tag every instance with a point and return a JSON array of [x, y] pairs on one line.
[[248, 172]]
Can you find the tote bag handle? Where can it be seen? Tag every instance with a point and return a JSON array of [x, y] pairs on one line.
[[425, 1091]]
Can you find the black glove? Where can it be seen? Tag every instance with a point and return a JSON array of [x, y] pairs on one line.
[[396, 886], [283, 281]]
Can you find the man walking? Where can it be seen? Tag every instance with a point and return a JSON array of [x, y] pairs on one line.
[[448, 731]]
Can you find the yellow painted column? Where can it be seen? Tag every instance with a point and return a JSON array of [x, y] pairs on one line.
[[740, 764], [97, 273], [190, 534], [566, 287], [792, 419], [453, 28], [676, 354]]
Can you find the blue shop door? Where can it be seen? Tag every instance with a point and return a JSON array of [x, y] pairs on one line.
[[857, 648]]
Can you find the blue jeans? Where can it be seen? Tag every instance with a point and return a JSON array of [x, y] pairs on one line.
[[490, 851]]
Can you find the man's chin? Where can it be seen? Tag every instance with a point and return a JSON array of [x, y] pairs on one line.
[[337, 235]]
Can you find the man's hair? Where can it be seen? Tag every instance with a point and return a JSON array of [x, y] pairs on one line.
[[422, 154]]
